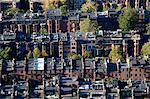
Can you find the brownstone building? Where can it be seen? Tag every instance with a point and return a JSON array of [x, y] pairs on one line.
[[133, 73]]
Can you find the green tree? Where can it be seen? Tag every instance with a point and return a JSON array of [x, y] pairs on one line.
[[44, 54], [87, 54], [128, 20], [5, 53], [148, 8], [104, 8], [89, 6], [52, 7], [146, 49], [115, 53], [148, 28], [53, 4], [13, 10], [64, 9], [36, 53], [108, 80], [63, 6], [74, 56], [43, 31], [88, 25]]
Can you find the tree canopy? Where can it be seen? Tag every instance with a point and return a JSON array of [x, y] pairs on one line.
[[74, 56], [146, 49], [128, 20], [36, 53], [89, 6], [44, 53], [104, 9], [5, 53], [148, 28], [148, 8], [87, 54], [115, 53], [88, 25], [13, 10], [54, 4], [43, 31]]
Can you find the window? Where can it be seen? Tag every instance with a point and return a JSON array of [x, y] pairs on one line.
[[127, 75], [73, 47], [115, 74], [73, 43]]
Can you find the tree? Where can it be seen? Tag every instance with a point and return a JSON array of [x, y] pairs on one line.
[[128, 20], [13, 10], [44, 54], [5, 53], [74, 56], [146, 49], [53, 4], [88, 25], [43, 31], [64, 9], [86, 54], [115, 53], [104, 8], [148, 28], [148, 8], [89, 6], [108, 80], [36, 53]]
